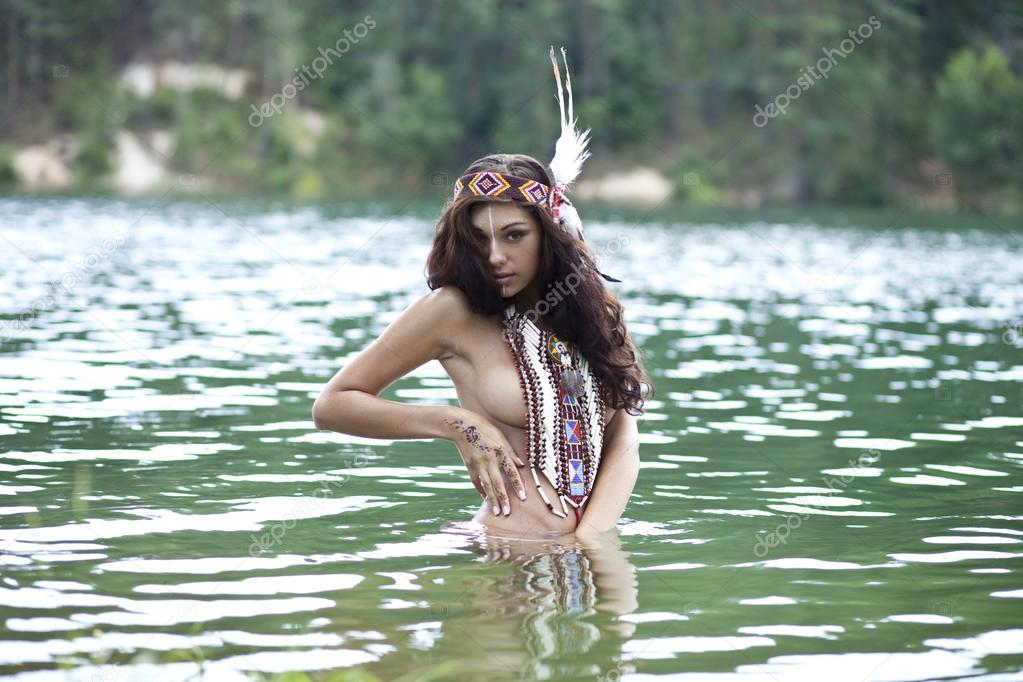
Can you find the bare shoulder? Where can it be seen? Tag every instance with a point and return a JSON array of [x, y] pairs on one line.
[[445, 305], [426, 330], [445, 308], [449, 299]]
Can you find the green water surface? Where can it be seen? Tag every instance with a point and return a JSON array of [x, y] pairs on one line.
[[830, 489]]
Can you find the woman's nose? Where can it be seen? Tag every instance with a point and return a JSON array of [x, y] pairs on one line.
[[497, 256]]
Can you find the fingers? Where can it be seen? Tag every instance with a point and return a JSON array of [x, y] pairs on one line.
[[475, 480], [490, 475], [489, 481], [503, 503], [507, 448], [512, 473], [488, 488], [515, 456], [493, 485]]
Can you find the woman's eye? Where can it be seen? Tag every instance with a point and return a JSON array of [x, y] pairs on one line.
[[517, 235]]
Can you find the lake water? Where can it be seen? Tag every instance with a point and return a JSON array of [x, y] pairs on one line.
[[832, 481]]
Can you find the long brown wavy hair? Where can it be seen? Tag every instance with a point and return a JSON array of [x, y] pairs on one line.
[[457, 259]]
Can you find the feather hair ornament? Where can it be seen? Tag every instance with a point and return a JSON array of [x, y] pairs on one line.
[[570, 152]]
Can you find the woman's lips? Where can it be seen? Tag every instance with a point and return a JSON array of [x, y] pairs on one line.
[[505, 279]]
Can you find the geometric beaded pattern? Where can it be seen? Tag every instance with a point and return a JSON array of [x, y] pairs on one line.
[[575, 459], [493, 184], [573, 446], [576, 481], [488, 184], [534, 192]]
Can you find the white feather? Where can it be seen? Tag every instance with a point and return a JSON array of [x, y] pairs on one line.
[[570, 150], [571, 221]]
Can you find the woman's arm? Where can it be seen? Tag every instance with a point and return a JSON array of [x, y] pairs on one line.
[[425, 331], [349, 402], [619, 468]]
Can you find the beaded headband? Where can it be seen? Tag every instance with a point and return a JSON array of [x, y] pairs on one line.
[[492, 184], [570, 151]]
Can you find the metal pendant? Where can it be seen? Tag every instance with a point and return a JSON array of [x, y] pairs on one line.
[[572, 382]]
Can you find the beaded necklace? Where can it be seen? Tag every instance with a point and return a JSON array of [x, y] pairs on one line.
[[564, 411]]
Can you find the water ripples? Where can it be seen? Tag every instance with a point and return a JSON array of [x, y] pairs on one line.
[[831, 468]]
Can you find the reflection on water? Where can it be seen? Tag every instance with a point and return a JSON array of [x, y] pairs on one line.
[[533, 609], [831, 467]]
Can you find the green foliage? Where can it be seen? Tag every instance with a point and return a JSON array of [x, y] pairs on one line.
[[85, 101], [411, 122], [162, 107], [978, 128], [694, 180], [7, 174], [93, 160], [419, 90]]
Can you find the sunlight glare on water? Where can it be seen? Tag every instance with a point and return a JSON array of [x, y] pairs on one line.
[[830, 489]]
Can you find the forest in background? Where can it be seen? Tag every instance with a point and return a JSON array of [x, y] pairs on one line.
[[924, 112]]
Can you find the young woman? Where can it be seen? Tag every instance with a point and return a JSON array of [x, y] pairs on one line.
[[548, 381]]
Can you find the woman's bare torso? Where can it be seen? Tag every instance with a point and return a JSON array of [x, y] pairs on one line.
[[483, 370]]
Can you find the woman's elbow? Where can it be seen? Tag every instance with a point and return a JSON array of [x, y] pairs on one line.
[[322, 409], [317, 413]]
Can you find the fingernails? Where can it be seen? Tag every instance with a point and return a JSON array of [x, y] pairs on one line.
[[497, 510], [507, 510], [522, 494]]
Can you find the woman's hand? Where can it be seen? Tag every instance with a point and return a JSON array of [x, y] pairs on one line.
[[486, 453]]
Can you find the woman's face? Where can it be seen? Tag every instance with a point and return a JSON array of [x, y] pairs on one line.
[[509, 237]]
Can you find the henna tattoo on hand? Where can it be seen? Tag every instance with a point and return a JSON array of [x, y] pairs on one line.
[[472, 436]]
